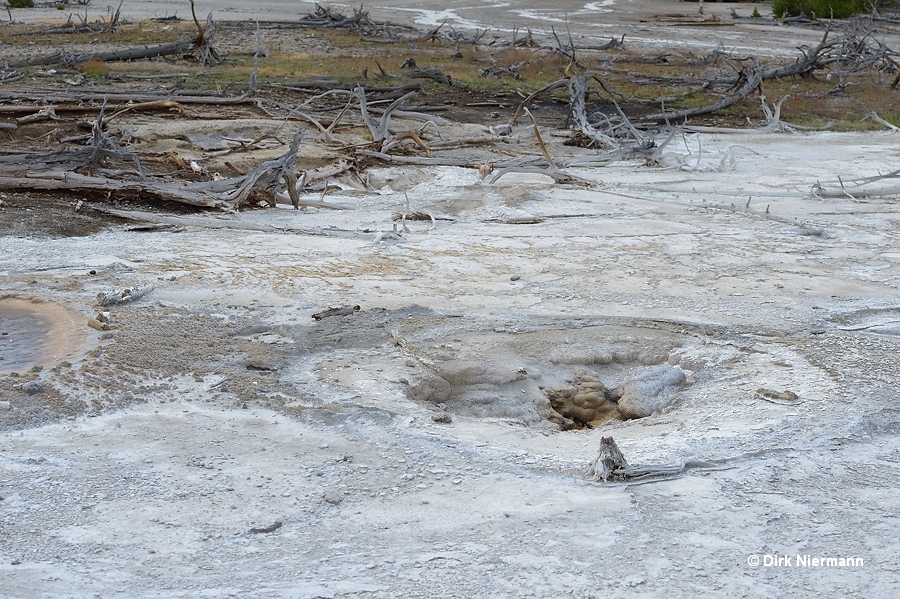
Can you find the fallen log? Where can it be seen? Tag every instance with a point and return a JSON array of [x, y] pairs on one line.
[[433, 74], [556, 175], [55, 171], [68, 59], [752, 81], [219, 221], [200, 222], [471, 163], [54, 97], [69, 180]]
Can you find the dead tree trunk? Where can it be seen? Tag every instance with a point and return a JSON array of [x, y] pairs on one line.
[[608, 463], [752, 81], [66, 58]]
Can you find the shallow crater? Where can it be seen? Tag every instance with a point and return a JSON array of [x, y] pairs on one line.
[[36, 333]]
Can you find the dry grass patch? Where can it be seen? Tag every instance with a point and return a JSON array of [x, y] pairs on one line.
[[638, 82]]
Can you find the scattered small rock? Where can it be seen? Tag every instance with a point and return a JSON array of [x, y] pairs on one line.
[[260, 365], [786, 397], [5, 405], [99, 325], [266, 529], [442, 418], [32, 387], [332, 497]]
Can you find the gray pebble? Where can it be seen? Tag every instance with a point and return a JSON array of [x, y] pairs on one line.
[[32, 387]]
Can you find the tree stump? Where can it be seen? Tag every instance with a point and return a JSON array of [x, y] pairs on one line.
[[608, 463]]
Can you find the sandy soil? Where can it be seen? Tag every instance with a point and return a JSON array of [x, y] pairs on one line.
[[404, 450]]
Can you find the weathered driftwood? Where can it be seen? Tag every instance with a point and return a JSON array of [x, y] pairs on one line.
[[207, 55], [64, 179], [373, 92], [552, 170], [433, 74], [773, 121], [104, 147], [125, 295], [326, 18], [390, 159], [379, 131], [101, 148], [874, 116], [578, 93], [219, 221], [617, 133], [97, 27], [856, 189], [308, 181], [58, 97], [173, 221], [392, 235], [202, 46], [752, 79], [66, 58], [541, 144], [323, 18], [609, 462], [342, 311], [556, 175], [47, 113], [267, 175], [55, 171]]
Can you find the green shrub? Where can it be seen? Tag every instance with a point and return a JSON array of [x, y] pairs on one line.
[[820, 9], [20, 3]]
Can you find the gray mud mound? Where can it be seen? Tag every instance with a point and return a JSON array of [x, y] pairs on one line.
[[651, 391], [532, 371], [570, 376]]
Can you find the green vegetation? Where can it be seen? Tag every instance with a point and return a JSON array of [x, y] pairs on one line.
[[20, 3], [820, 9]]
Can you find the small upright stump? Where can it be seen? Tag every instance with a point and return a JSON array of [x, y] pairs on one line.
[[609, 462]]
